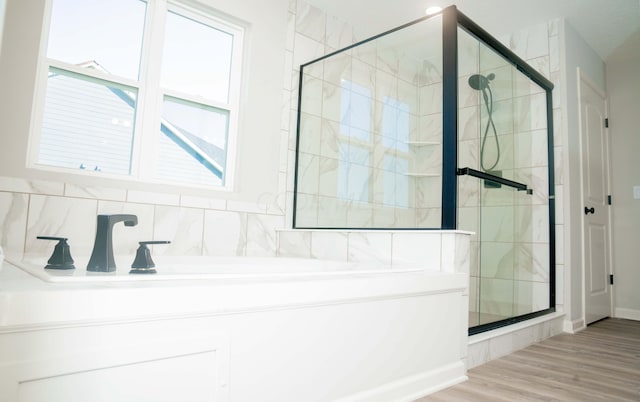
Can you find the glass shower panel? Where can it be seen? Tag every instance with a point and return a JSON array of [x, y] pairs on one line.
[[370, 133], [503, 190], [378, 147]]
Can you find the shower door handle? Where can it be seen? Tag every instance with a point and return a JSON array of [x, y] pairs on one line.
[[588, 211]]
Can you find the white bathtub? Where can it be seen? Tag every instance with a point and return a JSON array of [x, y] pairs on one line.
[[200, 267], [233, 330]]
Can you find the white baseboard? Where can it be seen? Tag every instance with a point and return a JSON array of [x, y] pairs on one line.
[[573, 326], [627, 313], [414, 387]]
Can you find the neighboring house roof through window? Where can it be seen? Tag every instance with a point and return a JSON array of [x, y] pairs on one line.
[[207, 154]]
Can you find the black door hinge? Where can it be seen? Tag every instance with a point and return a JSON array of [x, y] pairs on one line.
[[609, 199], [611, 279], [606, 122]]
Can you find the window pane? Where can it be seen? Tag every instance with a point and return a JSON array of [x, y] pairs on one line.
[[87, 124], [353, 173], [196, 58], [395, 124], [355, 111], [193, 141], [98, 34]]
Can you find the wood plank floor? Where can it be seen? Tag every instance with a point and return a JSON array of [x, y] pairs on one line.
[[601, 363]]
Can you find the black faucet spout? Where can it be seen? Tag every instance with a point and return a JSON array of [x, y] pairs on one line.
[[102, 256]]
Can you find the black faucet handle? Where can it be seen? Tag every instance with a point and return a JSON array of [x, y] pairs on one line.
[[61, 257], [143, 264], [52, 238]]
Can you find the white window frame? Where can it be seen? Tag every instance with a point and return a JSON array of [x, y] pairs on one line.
[[150, 95]]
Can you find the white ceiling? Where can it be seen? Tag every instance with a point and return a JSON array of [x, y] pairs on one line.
[[604, 24]]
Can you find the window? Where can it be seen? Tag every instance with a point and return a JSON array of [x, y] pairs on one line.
[[354, 148], [140, 89], [358, 146], [395, 139]]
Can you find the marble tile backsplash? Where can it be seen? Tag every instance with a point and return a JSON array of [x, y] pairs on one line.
[[14, 208], [194, 225], [200, 231]]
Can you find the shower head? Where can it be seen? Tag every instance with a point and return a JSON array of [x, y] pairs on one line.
[[480, 82]]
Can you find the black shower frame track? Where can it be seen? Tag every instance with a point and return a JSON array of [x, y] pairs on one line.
[[452, 19]]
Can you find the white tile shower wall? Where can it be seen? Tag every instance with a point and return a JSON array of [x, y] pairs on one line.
[[428, 247], [330, 245], [558, 139], [445, 251], [529, 44], [539, 46], [370, 247], [376, 69]]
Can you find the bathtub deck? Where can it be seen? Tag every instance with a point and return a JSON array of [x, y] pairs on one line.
[[203, 268]]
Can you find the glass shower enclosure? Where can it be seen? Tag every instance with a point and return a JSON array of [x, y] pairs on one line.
[[436, 125]]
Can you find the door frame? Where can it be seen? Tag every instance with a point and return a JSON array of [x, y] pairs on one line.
[[583, 77]]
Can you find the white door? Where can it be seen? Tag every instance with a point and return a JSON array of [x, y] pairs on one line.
[[595, 191]]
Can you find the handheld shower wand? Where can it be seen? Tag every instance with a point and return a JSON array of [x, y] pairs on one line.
[[480, 82]]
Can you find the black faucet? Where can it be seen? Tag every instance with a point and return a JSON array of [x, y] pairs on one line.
[[102, 256]]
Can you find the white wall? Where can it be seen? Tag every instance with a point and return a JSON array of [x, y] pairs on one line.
[[577, 55], [623, 86], [2, 4]]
